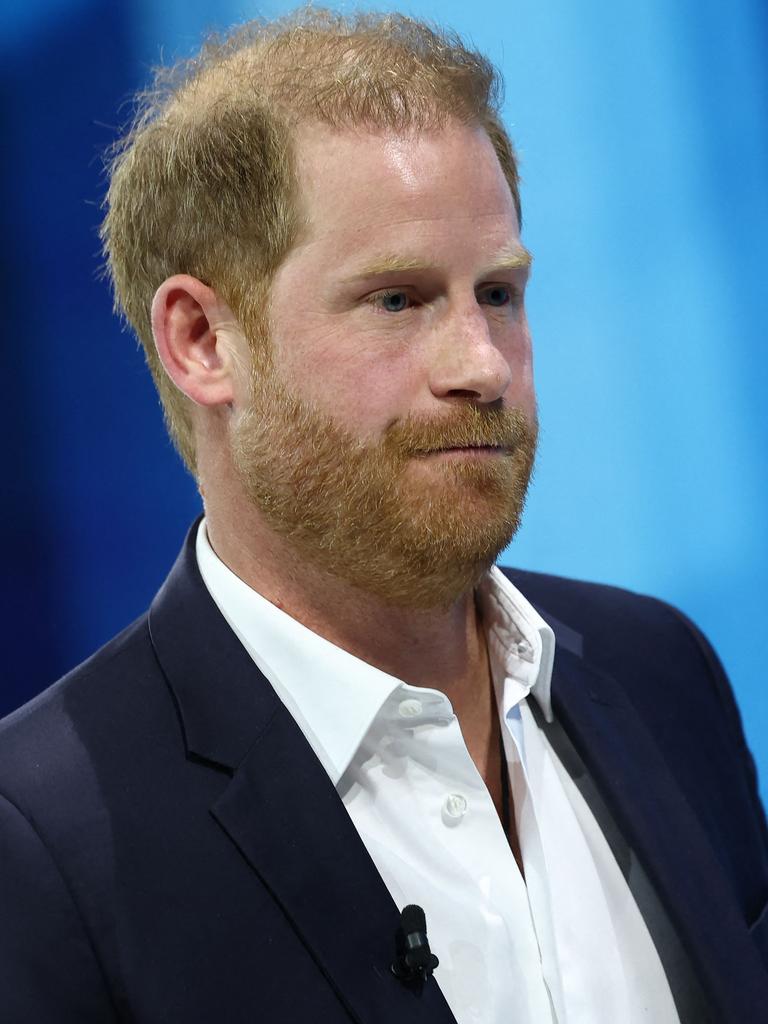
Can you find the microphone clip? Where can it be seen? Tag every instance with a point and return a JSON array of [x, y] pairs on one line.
[[414, 961]]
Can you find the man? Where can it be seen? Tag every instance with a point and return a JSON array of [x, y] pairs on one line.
[[336, 706]]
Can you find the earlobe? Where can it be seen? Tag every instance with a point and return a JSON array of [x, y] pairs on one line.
[[192, 329]]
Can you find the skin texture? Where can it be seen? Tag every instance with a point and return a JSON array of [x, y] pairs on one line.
[[397, 330]]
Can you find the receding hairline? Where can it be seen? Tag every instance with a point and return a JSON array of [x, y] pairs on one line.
[[284, 51], [204, 179]]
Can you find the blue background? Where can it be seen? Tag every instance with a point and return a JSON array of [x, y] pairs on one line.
[[643, 134]]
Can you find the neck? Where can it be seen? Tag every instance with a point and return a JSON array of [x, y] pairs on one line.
[[444, 649], [439, 648]]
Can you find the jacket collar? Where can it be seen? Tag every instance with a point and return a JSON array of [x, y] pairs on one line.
[[658, 823], [280, 808], [316, 867]]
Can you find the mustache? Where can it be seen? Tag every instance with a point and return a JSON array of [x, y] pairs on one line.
[[468, 426]]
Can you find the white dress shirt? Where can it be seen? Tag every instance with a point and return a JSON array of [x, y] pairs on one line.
[[565, 945]]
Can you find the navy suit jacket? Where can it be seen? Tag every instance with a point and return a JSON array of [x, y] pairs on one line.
[[172, 850]]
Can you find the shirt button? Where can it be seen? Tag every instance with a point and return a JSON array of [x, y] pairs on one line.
[[454, 808], [409, 708]]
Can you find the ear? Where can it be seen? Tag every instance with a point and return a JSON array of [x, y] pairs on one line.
[[198, 341]]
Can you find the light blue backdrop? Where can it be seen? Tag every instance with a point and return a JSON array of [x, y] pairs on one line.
[[643, 135]]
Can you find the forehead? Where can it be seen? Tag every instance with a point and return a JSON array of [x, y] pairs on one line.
[[362, 190]]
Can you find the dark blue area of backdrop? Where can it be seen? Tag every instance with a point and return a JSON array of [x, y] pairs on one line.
[[643, 131], [94, 500]]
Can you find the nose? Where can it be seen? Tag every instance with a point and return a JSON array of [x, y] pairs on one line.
[[467, 363]]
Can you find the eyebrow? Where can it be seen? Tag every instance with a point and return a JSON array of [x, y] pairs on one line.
[[515, 257]]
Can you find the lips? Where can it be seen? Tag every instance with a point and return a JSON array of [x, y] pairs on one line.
[[479, 449]]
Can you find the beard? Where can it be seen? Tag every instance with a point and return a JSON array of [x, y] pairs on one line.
[[415, 530]]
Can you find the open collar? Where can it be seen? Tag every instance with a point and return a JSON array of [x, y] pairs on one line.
[[283, 813], [280, 808], [334, 696]]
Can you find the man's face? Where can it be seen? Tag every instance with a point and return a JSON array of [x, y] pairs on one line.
[[392, 430]]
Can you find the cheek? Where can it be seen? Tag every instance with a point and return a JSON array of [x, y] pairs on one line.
[[521, 391], [362, 381]]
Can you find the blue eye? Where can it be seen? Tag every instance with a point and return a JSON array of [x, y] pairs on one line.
[[394, 302], [498, 295]]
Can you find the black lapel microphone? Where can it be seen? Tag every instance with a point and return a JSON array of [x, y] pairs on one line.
[[414, 961]]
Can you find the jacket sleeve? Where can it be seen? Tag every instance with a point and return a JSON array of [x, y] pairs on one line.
[[49, 972]]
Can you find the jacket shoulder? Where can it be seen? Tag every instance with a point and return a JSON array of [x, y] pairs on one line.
[[665, 664], [614, 624], [589, 604], [621, 631], [114, 692]]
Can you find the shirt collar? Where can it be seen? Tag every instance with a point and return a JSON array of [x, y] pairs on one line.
[[521, 645], [333, 695]]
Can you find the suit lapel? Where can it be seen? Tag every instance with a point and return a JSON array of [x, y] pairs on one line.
[[280, 808], [652, 812], [287, 819]]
